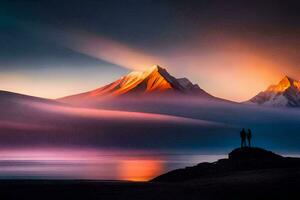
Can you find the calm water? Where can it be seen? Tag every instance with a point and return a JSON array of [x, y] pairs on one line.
[[93, 164]]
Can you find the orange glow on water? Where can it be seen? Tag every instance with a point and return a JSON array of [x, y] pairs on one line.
[[91, 164], [140, 170]]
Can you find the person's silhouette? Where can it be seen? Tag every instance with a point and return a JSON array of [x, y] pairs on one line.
[[249, 136], [243, 138]]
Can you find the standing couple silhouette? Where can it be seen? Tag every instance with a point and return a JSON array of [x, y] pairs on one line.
[[245, 136]]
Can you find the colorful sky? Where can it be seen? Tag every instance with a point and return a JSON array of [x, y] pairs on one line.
[[232, 49]]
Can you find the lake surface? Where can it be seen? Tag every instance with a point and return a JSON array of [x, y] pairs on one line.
[[93, 164]]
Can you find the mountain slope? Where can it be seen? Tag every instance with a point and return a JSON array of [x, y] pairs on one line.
[[154, 81], [27, 121], [7, 97], [286, 93]]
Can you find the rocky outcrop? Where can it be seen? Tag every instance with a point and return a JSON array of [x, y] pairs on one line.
[[240, 159]]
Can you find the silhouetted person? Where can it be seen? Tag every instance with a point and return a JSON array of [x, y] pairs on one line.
[[249, 136], [243, 138]]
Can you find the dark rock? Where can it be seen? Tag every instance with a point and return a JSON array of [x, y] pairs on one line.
[[250, 153], [240, 159]]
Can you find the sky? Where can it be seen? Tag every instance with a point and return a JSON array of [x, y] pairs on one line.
[[232, 49]]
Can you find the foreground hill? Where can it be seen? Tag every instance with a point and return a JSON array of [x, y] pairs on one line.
[[284, 94], [241, 159]]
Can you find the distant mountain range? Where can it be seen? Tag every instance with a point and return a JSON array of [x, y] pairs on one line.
[[157, 82], [284, 94], [173, 113], [153, 81]]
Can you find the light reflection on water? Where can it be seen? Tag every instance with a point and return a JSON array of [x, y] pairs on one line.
[[92, 164]]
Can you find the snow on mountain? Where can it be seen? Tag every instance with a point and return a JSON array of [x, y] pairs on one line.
[[155, 80], [285, 93]]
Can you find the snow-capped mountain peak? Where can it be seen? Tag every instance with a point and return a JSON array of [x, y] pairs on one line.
[[154, 80], [143, 74], [285, 93]]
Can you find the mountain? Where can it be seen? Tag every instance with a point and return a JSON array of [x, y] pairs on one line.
[[153, 81], [286, 93]]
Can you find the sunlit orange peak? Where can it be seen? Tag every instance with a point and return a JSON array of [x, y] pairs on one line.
[[147, 80], [284, 84], [153, 81]]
